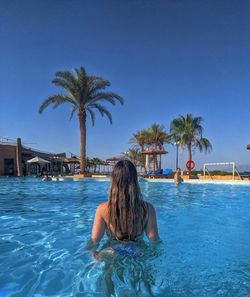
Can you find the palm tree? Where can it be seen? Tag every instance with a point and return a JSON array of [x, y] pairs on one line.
[[153, 137], [135, 156], [158, 136], [95, 162], [141, 139], [189, 132], [84, 93]]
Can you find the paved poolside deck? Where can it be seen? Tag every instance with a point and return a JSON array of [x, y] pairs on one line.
[[170, 180]]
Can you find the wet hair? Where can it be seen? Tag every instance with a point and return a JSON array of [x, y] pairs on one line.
[[127, 210]]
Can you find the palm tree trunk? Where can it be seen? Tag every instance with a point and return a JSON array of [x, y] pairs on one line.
[[189, 156], [82, 121]]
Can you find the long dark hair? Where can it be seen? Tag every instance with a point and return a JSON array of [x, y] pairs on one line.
[[127, 210]]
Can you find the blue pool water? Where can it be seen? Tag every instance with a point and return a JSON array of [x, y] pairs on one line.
[[45, 226]]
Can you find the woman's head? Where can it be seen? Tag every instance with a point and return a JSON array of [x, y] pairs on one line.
[[124, 174], [127, 211]]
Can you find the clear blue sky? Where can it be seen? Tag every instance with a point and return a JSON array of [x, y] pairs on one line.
[[164, 57]]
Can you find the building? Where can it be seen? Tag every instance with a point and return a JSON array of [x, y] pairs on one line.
[[14, 157]]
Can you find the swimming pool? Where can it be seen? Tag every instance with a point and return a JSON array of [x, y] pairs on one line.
[[204, 228]]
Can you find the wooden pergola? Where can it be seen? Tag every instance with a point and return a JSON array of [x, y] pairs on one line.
[[111, 161], [153, 152], [59, 162]]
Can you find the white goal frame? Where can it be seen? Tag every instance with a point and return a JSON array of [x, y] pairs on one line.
[[220, 163]]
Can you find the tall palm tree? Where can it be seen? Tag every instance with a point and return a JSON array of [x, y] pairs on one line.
[[189, 132], [85, 94]]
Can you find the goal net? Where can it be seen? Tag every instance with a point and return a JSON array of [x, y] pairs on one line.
[[229, 167]]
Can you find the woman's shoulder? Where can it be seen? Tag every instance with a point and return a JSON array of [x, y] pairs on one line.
[[103, 205], [149, 206], [150, 210], [102, 209]]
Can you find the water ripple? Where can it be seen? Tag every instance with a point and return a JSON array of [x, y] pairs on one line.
[[45, 228]]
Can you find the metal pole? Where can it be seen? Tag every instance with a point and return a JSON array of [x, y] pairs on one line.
[[177, 153]]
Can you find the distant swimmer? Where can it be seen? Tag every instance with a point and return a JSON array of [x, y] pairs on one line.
[[46, 177], [177, 177]]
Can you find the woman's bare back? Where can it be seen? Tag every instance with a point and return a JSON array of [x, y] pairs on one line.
[[102, 217]]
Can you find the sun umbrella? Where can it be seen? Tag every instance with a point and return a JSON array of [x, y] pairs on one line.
[[38, 160]]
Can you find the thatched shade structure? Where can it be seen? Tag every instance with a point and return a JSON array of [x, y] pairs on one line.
[[248, 147], [112, 159], [71, 160], [68, 163], [153, 152]]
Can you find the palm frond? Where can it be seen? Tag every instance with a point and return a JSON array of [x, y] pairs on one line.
[[73, 109], [68, 82], [177, 125], [80, 73], [92, 115], [56, 100], [203, 144], [96, 83], [111, 97], [67, 85], [103, 111], [82, 80], [66, 75]]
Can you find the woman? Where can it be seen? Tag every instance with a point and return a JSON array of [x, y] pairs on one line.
[[125, 216]]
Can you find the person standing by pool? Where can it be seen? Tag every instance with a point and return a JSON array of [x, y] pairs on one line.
[[177, 177], [125, 216]]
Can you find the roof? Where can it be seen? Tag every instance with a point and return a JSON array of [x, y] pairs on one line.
[[37, 160], [71, 160], [154, 152], [113, 159]]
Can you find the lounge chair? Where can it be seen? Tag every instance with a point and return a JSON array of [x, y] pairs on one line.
[[158, 171], [167, 171]]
